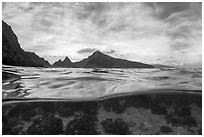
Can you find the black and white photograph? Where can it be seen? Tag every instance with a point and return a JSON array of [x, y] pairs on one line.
[[101, 68]]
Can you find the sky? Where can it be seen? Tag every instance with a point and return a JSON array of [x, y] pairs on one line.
[[164, 33]]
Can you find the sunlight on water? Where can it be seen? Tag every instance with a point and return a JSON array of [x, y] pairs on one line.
[[71, 83]]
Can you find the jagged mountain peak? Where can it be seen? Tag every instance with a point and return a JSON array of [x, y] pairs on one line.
[[66, 63], [101, 60], [97, 54], [66, 59]]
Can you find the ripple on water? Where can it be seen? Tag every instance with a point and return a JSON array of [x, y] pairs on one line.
[[78, 82]]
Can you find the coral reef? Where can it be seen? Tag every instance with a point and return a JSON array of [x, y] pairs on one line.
[[118, 126]]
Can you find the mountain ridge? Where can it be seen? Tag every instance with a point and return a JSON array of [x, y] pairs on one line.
[[13, 54], [66, 63], [101, 60]]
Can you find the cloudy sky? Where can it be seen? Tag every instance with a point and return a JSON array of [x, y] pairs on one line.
[[167, 33]]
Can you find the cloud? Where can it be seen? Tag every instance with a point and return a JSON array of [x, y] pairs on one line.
[[165, 9], [91, 50], [86, 50], [111, 51], [135, 31]]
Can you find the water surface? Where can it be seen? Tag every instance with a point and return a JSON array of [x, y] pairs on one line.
[[80, 83]]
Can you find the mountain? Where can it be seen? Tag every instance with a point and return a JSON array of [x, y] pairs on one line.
[[66, 63], [100, 60], [13, 54]]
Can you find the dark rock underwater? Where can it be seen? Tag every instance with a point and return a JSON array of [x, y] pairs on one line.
[[175, 113]]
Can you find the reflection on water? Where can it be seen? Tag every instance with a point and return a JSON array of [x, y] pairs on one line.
[[30, 82]]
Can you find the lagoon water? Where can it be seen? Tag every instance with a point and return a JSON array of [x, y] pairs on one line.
[[38, 101], [80, 83]]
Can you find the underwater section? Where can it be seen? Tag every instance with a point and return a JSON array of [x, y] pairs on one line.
[[146, 114]]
